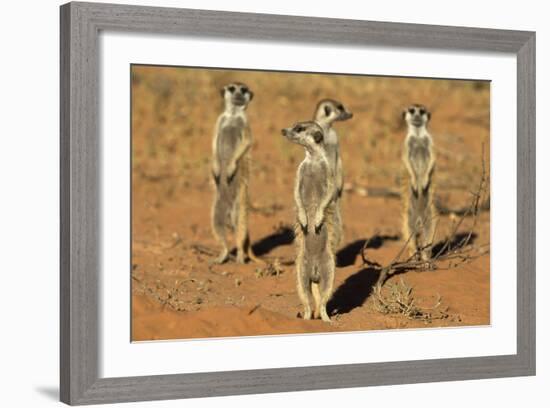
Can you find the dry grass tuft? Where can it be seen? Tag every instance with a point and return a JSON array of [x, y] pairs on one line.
[[271, 269], [398, 299]]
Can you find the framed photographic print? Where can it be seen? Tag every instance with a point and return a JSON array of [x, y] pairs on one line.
[[261, 203]]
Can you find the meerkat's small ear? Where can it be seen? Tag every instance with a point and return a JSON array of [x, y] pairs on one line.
[[327, 110], [222, 92], [429, 116], [318, 137], [403, 114], [251, 95]]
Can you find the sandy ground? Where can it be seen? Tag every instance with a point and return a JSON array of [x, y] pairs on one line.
[[177, 294]]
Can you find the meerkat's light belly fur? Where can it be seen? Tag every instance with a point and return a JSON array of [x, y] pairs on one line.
[[315, 247], [312, 190], [419, 157], [229, 139]]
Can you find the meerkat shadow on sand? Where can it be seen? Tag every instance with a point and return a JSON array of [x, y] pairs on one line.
[[284, 235], [348, 254], [353, 292], [438, 249]]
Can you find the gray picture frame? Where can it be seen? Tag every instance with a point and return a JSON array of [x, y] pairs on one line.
[[81, 24]]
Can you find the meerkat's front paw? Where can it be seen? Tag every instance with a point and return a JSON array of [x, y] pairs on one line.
[[302, 220], [231, 170], [319, 219], [216, 171], [216, 177]]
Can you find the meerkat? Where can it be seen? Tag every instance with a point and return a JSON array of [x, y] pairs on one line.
[[314, 191], [327, 112], [230, 172], [419, 159]]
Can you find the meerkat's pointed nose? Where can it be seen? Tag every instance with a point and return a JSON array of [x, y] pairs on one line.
[[284, 132]]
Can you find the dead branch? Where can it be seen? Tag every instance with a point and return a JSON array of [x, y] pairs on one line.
[[451, 253], [399, 300], [366, 261]]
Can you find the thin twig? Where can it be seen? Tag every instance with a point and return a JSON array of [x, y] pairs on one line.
[[451, 253]]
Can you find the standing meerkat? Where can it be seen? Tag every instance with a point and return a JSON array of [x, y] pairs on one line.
[[314, 198], [419, 159], [327, 112], [230, 172]]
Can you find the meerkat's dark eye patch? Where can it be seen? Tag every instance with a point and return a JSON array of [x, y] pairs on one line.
[[328, 111], [298, 128], [231, 88], [244, 89], [422, 111], [411, 111], [318, 137], [340, 107]]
